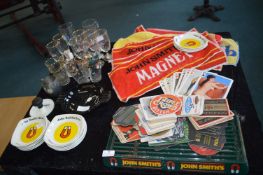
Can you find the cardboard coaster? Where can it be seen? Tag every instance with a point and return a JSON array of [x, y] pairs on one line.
[[66, 132], [124, 116], [165, 104], [208, 141], [29, 133], [203, 151]]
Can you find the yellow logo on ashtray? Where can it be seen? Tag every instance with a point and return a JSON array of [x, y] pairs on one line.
[[190, 43], [31, 133], [66, 132]]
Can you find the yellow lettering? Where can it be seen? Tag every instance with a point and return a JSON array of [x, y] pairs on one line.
[[216, 142], [141, 163], [202, 167], [149, 164], [129, 162], [211, 167], [188, 166]]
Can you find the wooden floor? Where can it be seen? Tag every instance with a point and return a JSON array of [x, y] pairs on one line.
[[11, 111]]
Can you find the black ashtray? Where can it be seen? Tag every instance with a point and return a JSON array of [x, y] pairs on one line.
[[83, 99]]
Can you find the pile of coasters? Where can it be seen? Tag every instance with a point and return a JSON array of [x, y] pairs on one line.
[[65, 132], [216, 111], [160, 121], [157, 120], [29, 133], [124, 125], [160, 113]]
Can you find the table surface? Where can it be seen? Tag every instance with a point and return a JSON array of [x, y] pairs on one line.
[[87, 156], [15, 112]]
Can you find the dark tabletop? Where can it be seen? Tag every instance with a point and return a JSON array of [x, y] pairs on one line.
[[87, 156]]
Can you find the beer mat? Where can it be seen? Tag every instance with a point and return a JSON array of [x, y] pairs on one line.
[[148, 128], [125, 115], [205, 122], [144, 137], [125, 133], [215, 108], [217, 129], [150, 115], [205, 139], [192, 105], [166, 104], [180, 135], [203, 151]]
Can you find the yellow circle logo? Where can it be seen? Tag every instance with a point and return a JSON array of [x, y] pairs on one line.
[[190, 43], [31, 133], [66, 132]]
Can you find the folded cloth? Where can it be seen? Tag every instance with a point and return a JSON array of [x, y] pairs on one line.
[[124, 54], [231, 47], [143, 71]]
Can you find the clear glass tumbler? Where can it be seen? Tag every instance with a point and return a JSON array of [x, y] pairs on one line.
[[90, 24], [58, 70], [66, 30], [75, 72], [95, 71], [103, 41], [51, 85], [52, 49]]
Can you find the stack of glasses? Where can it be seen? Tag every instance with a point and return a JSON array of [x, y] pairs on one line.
[[78, 53]]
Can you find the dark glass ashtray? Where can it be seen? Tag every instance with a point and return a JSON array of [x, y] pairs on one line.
[[83, 99]]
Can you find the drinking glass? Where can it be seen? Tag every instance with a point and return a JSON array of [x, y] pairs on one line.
[[103, 41], [90, 24], [90, 39], [58, 71], [78, 45], [63, 48], [66, 30], [75, 72], [95, 71], [56, 37], [52, 49], [50, 85], [84, 67], [61, 60]]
